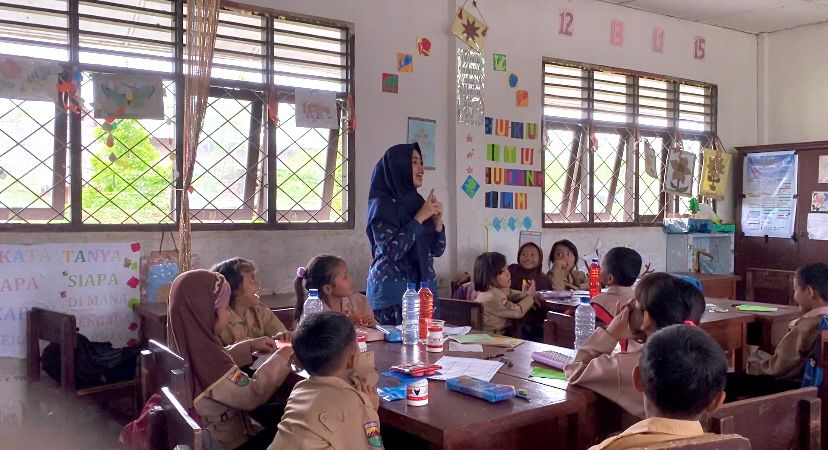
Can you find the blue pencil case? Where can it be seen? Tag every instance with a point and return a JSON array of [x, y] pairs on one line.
[[490, 392], [392, 334]]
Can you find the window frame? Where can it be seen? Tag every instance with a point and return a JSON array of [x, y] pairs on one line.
[[668, 203], [72, 145]]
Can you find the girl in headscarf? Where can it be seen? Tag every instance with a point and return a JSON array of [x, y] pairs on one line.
[[222, 394], [529, 267], [405, 230]]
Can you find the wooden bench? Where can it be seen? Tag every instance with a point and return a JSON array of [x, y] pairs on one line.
[[61, 329], [772, 286], [286, 316], [161, 367], [706, 442], [170, 425], [461, 312], [785, 420]]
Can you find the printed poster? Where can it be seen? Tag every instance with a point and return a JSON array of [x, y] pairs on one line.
[[769, 189], [316, 109], [123, 96], [28, 79], [94, 282], [424, 132]]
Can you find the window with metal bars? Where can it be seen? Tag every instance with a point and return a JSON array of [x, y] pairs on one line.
[[598, 122], [254, 166]]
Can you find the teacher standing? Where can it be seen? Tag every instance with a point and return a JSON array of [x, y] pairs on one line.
[[406, 231]]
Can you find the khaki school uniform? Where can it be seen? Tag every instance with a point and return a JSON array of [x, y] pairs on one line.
[[500, 304], [257, 321], [652, 431], [357, 308], [789, 359], [223, 406], [328, 413], [574, 280], [595, 367], [615, 295]]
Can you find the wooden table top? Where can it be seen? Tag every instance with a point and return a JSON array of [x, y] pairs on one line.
[[783, 312]]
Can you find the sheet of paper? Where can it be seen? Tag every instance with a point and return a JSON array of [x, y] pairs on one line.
[[473, 338], [458, 347], [543, 372], [756, 308], [818, 226], [476, 368], [456, 331], [823, 169]]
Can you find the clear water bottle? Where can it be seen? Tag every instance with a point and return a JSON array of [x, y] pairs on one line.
[[410, 315], [584, 322], [313, 304], [426, 309]]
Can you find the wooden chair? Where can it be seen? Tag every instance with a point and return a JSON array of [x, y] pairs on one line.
[[171, 425], [786, 420], [705, 442], [769, 286], [461, 312], [161, 367], [286, 316], [61, 329], [465, 291]]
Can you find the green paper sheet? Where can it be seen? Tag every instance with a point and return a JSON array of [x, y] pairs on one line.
[[543, 372], [756, 308], [473, 338]]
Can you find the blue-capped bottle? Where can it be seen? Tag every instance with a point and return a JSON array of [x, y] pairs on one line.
[[312, 305], [410, 315], [584, 322]]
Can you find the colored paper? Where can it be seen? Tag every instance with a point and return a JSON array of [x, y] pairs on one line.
[[470, 186], [531, 130], [491, 199], [424, 132], [472, 338], [496, 223], [543, 372], [390, 82], [679, 178], [517, 130], [509, 154], [493, 152], [715, 173], [527, 223], [507, 200], [521, 200], [28, 79], [316, 109], [657, 40], [458, 347], [527, 156], [424, 46], [489, 125], [819, 202], [499, 62], [513, 177], [502, 127], [522, 98], [124, 96], [469, 29], [512, 223], [822, 177], [513, 80], [756, 308], [405, 63], [617, 33]]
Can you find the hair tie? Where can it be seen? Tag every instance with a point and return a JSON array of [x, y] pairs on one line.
[[689, 322], [300, 272]]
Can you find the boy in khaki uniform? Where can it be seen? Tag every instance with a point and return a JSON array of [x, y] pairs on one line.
[[500, 303], [672, 356], [619, 270], [336, 408]]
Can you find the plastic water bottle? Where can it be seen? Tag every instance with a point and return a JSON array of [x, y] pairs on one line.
[[594, 279], [410, 315], [584, 322], [426, 309], [313, 304]]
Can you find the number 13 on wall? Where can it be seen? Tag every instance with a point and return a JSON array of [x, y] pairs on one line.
[[698, 47], [567, 19]]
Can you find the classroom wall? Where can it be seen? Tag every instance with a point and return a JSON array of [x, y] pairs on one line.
[[792, 92], [525, 30]]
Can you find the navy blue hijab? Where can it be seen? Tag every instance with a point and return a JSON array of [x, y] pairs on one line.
[[394, 199]]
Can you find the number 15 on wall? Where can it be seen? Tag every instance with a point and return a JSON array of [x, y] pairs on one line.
[[698, 47]]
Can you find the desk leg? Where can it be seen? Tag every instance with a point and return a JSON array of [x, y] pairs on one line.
[[740, 352]]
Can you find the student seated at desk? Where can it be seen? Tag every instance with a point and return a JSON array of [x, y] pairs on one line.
[[660, 300], [682, 373], [249, 318], [222, 394], [784, 370], [336, 408], [329, 275], [529, 266], [619, 270], [500, 303], [563, 272]]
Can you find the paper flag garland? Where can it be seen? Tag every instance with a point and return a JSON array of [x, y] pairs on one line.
[[497, 223], [469, 29], [512, 224], [715, 174], [527, 223]]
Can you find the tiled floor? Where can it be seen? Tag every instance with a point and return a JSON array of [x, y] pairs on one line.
[[39, 415]]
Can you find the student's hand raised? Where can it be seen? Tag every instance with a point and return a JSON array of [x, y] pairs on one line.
[[370, 391], [264, 344]]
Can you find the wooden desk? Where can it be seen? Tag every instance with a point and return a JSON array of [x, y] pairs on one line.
[[729, 329], [768, 328], [717, 286]]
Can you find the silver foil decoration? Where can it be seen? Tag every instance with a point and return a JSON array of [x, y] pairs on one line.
[[470, 77]]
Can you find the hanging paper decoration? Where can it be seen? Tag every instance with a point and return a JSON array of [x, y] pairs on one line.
[[424, 132], [424, 46], [499, 62], [28, 79], [469, 29], [512, 224], [405, 63], [112, 157], [715, 173], [316, 109], [470, 186], [470, 79], [513, 80], [128, 96], [351, 110], [679, 177], [522, 98], [272, 106], [527, 223], [650, 160], [390, 83]]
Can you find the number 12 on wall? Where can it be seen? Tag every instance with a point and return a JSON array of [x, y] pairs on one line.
[[567, 19], [698, 47]]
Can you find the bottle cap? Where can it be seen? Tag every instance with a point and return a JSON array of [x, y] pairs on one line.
[[411, 286], [424, 285], [313, 292], [595, 260], [585, 300]]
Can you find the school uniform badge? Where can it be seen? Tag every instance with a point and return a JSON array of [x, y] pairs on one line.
[[372, 433], [239, 378]]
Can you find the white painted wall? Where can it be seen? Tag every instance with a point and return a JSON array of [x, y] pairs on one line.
[[525, 30], [793, 90]]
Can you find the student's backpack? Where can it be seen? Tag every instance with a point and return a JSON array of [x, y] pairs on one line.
[[812, 375]]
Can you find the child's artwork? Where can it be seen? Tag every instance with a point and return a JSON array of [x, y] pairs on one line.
[[650, 160], [499, 62], [513, 80], [424, 46], [128, 96], [522, 98], [469, 29], [424, 132], [316, 109], [390, 83], [28, 79], [819, 202], [405, 63], [470, 186], [715, 174], [679, 178]]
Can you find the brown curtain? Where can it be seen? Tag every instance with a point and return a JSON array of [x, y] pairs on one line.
[[202, 21]]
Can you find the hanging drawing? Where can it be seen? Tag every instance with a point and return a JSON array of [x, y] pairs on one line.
[[128, 96], [424, 46], [424, 132], [470, 186], [470, 80], [715, 173], [469, 29], [512, 223], [522, 98], [513, 80], [390, 83], [405, 63], [316, 109], [650, 160], [499, 62], [28, 79], [679, 177]]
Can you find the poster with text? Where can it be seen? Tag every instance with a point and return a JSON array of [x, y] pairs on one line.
[[93, 282], [769, 189]]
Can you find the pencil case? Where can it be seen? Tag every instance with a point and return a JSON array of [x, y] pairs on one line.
[[490, 392], [392, 334]]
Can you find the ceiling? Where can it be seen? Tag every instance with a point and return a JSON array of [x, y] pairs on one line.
[[751, 16]]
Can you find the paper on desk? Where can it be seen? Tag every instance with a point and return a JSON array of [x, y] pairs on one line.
[[473, 339], [456, 331], [756, 308], [543, 372], [458, 347], [453, 366]]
